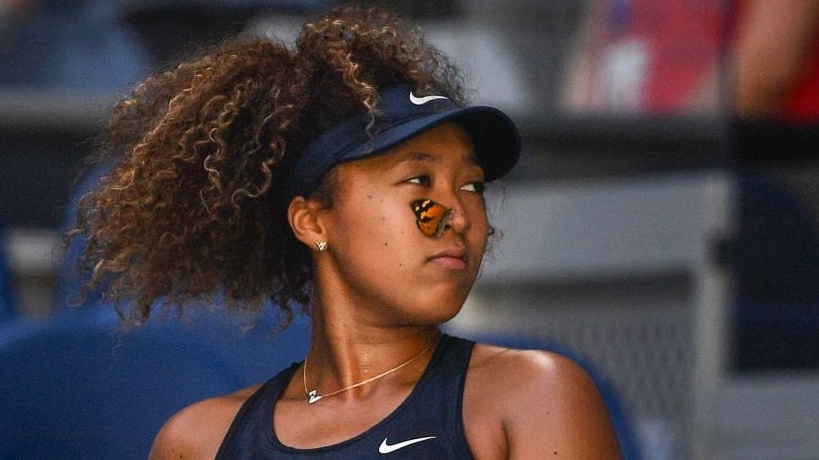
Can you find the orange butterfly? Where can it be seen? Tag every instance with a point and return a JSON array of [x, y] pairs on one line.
[[431, 217]]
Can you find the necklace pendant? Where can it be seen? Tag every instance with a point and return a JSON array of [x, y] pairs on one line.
[[313, 397]]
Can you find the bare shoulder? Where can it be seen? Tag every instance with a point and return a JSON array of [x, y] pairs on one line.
[[196, 432], [545, 404], [536, 370]]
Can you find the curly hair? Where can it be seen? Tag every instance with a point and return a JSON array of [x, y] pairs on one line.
[[189, 208]]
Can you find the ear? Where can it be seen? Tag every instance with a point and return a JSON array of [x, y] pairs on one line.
[[303, 217]]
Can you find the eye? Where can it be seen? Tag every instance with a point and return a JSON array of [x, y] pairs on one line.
[[420, 180], [475, 187]]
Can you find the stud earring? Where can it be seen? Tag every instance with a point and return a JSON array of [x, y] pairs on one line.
[[321, 245]]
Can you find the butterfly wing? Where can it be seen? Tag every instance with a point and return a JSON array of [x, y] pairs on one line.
[[430, 217]]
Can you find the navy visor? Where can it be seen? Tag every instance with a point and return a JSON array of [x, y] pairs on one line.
[[400, 115]]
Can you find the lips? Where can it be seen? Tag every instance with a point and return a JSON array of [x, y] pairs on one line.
[[452, 258]]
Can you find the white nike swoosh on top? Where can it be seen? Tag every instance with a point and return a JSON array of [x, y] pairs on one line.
[[385, 448], [423, 100]]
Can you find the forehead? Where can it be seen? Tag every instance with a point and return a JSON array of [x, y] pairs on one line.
[[446, 143]]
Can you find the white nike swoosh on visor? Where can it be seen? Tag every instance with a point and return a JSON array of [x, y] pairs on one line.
[[385, 448], [423, 100]]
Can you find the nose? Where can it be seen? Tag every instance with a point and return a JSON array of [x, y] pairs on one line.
[[458, 219]]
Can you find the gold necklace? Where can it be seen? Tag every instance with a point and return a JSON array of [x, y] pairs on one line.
[[313, 397]]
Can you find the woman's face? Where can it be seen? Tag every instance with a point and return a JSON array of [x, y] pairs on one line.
[[379, 260]]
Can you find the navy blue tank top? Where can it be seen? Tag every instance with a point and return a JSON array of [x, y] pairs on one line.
[[427, 425]]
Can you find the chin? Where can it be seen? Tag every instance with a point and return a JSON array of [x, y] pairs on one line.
[[435, 313]]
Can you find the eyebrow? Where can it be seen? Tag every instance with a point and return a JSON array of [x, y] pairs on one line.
[[423, 157]]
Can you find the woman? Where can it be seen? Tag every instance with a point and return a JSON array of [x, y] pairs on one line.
[[345, 175]]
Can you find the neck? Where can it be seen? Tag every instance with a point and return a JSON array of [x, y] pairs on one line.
[[346, 356], [344, 353], [357, 338], [315, 397]]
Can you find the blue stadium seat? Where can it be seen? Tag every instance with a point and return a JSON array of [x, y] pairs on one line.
[[72, 388], [255, 351], [623, 425]]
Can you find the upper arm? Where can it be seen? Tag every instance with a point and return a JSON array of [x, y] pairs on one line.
[[556, 411]]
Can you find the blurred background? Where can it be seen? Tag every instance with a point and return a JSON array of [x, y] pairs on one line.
[[661, 226]]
